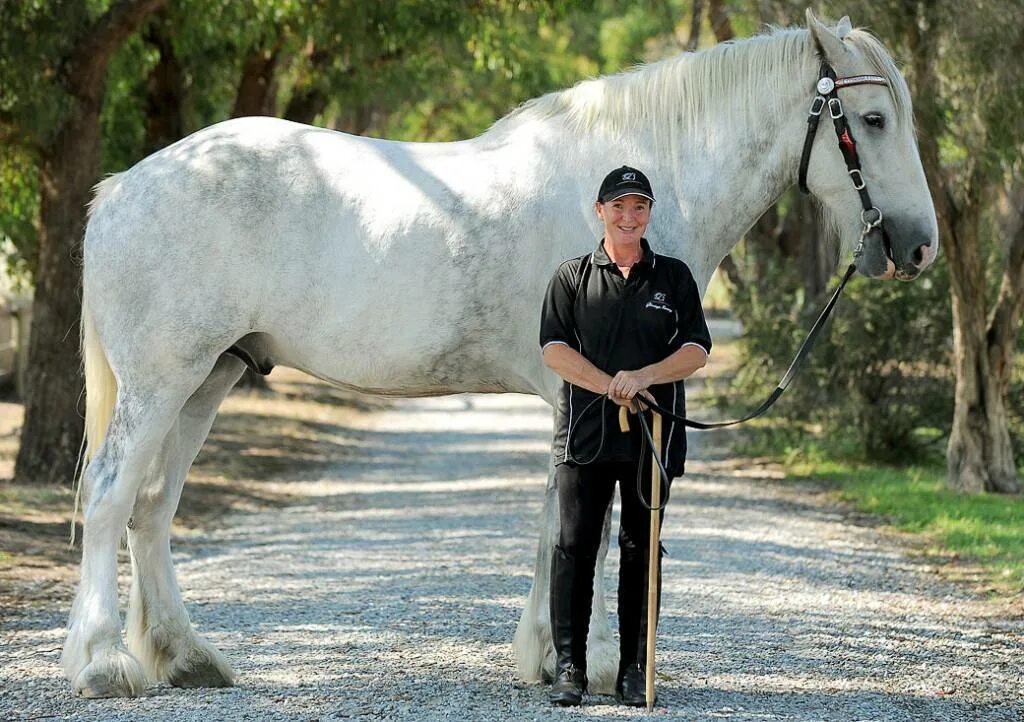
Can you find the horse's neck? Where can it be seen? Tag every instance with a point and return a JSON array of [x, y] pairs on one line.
[[713, 182], [719, 194], [707, 199]]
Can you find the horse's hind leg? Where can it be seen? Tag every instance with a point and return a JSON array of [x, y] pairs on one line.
[[160, 634], [95, 658]]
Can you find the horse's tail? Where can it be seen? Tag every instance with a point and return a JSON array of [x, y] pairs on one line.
[[100, 383]]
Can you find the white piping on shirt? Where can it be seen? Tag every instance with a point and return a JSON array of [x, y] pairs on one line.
[[553, 343], [568, 429], [694, 343], [672, 426]]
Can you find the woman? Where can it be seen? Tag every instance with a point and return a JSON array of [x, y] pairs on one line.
[[617, 322]]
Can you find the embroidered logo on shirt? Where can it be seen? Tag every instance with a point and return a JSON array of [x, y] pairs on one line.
[[659, 302]]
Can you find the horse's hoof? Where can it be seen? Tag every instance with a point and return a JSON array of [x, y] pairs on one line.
[[114, 673], [201, 666]]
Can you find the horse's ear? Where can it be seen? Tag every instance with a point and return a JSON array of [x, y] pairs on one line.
[[844, 27], [827, 40]]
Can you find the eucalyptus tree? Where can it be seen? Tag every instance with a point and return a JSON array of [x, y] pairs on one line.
[[197, 62], [54, 58]]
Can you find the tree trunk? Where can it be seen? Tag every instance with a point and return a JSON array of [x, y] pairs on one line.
[[52, 431], [695, 22], [721, 25], [979, 455], [255, 96], [305, 105], [165, 89]]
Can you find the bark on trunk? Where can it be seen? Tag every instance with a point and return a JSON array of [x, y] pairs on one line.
[[52, 431], [695, 22], [304, 106], [255, 89], [165, 89], [721, 25]]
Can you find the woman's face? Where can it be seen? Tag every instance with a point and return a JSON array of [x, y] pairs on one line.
[[625, 219]]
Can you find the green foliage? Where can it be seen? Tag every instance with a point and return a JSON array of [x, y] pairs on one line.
[[19, 209], [878, 384], [34, 36], [986, 529]]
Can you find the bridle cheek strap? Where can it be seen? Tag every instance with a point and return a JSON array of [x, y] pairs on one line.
[[828, 97]]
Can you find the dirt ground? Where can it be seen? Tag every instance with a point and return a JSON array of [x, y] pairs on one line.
[[260, 439]]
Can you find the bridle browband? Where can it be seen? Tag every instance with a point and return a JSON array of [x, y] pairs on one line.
[[827, 97]]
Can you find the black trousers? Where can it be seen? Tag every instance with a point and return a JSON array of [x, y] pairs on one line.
[[584, 493]]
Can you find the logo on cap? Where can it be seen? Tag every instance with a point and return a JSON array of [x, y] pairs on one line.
[[629, 176]]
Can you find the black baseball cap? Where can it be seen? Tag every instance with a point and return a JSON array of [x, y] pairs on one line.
[[624, 181]]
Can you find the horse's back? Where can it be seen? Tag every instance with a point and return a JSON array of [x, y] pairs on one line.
[[339, 248]]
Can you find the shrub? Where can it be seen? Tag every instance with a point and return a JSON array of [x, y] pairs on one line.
[[878, 384]]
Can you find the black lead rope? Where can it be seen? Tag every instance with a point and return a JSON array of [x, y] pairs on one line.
[[798, 360], [646, 404]]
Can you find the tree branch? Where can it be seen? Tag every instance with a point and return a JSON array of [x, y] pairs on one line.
[[695, 21], [87, 62], [1004, 321]]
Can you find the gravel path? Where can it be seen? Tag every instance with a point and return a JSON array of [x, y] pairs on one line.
[[392, 592]]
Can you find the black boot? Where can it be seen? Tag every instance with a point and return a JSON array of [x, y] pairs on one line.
[[572, 592], [631, 684]]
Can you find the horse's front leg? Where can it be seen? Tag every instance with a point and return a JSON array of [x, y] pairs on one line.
[[535, 654]]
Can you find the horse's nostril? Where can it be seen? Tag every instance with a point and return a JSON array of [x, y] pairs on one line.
[[918, 255]]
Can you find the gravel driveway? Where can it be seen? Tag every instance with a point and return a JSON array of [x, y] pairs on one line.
[[392, 590]]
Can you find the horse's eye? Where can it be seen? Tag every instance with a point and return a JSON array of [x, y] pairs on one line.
[[875, 120]]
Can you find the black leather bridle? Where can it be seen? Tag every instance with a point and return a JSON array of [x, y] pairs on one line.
[[827, 96]]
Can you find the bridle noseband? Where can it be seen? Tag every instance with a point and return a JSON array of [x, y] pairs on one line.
[[828, 97]]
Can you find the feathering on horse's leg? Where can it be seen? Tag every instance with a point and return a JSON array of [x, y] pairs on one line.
[[535, 655], [160, 633], [95, 658]]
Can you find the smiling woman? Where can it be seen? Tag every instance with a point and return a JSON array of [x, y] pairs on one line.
[[617, 322]]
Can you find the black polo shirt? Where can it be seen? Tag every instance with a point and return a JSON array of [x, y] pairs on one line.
[[617, 324]]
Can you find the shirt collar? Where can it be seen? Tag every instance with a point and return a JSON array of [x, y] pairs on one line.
[[600, 257]]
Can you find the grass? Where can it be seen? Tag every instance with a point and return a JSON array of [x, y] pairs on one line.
[[984, 531]]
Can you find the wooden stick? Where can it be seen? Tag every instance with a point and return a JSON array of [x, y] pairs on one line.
[[623, 419], [652, 569]]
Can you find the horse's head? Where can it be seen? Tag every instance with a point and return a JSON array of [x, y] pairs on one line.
[[881, 123]]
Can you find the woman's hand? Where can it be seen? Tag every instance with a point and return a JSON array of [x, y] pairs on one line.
[[625, 385]]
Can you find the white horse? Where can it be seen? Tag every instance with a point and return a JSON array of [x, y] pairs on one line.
[[411, 269]]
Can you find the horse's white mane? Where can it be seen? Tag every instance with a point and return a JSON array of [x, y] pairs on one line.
[[701, 88]]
